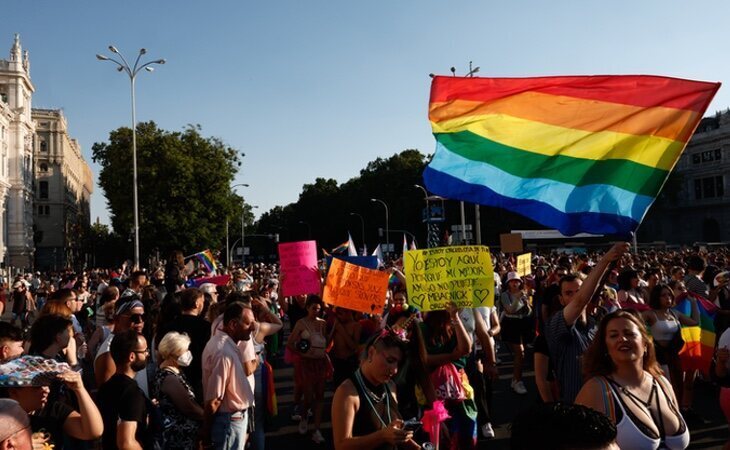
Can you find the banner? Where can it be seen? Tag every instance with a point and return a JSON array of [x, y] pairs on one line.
[[524, 264], [436, 276], [354, 287], [299, 272], [510, 242], [371, 262]]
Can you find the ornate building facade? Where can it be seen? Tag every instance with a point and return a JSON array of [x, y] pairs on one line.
[[694, 205], [64, 184], [16, 160], [45, 184]]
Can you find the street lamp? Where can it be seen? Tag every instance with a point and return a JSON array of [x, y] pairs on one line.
[[362, 223], [132, 72], [228, 248], [428, 209], [387, 227], [243, 234]]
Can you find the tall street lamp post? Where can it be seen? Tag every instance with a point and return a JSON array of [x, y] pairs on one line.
[[132, 72], [387, 225], [229, 249]]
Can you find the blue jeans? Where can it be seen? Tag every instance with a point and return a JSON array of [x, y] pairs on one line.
[[228, 431]]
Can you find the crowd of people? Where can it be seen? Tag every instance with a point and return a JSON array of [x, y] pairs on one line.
[[154, 362]]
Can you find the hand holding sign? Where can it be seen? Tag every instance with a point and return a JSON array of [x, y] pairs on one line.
[[437, 276], [354, 287], [299, 268]]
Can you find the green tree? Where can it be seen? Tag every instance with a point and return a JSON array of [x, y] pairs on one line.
[[184, 184]]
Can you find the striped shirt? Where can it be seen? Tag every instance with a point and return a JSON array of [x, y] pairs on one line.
[[567, 344], [694, 283]]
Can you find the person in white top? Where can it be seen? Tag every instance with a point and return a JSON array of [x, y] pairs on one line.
[[129, 314]]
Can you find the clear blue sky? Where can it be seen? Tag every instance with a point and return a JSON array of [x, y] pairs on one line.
[[318, 88]]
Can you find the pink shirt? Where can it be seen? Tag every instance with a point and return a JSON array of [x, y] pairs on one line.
[[223, 374]]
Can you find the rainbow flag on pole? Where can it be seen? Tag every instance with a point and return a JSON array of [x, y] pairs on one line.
[[576, 153], [699, 341], [206, 258]]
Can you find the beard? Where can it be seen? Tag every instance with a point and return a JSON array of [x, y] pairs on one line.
[[138, 365]]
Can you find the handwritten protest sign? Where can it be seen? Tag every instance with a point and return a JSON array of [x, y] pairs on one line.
[[355, 287], [510, 242], [462, 274], [299, 268], [524, 264]]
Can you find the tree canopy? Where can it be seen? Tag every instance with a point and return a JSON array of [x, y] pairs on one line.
[[184, 189]]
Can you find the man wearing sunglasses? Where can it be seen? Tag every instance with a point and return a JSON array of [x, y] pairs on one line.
[[128, 315], [123, 404]]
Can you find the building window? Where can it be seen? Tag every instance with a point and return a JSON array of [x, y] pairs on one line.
[[43, 188], [44, 146], [40, 210], [710, 187], [44, 167], [707, 156], [44, 210]]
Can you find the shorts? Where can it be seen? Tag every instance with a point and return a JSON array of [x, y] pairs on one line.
[[314, 370], [517, 330]]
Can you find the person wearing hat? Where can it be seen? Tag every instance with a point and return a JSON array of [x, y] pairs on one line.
[[57, 418], [517, 325], [129, 314], [14, 426]]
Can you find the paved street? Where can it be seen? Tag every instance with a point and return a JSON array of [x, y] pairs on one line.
[[709, 435]]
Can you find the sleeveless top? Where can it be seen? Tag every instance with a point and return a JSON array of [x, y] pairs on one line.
[[632, 434], [368, 417], [317, 341], [664, 330]]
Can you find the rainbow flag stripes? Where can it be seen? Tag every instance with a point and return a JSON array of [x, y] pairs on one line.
[[206, 258], [699, 341], [575, 153]]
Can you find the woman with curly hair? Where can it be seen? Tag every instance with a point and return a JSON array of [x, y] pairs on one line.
[[627, 385]]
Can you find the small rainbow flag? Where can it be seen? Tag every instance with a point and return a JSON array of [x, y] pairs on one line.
[[342, 248], [206, 258], [575, 153], [699, 341]]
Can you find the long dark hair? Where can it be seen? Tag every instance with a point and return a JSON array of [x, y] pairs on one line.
[[597, 361], [655, 296]]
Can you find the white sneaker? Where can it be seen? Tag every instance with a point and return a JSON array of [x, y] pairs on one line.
[[519, 387], [487, 430], [295, 416], [303, 426], [317, 437]]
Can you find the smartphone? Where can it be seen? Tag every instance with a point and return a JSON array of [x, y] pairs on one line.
[[412, 425]]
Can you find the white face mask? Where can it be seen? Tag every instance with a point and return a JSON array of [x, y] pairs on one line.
[[185, 359]]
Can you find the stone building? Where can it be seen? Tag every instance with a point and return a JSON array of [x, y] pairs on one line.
[[45, 184], [694, 205], [64, 184], [16, 159]]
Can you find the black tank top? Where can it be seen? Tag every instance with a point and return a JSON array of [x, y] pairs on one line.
[[366, 420]]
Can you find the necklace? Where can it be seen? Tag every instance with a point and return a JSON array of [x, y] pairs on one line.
[[369, 394]]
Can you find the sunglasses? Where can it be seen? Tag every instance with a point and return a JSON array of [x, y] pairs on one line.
[[136, 318]]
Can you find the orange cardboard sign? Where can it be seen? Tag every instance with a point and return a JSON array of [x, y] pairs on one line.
[[355, 287]]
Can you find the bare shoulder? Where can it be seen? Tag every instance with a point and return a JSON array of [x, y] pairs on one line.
[[592, 394]]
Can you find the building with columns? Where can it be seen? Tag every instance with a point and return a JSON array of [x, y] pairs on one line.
[[45, 184], [64, 184], [16, 161]]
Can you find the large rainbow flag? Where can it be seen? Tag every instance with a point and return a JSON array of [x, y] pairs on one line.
[[699, 341], [575, 153]]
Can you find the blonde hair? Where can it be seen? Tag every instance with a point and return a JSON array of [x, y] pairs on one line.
[[172, 344]]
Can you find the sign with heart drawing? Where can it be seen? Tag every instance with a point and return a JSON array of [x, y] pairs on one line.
[[460, 274]]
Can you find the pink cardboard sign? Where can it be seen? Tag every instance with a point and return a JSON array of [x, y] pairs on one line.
[[299, 273]]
